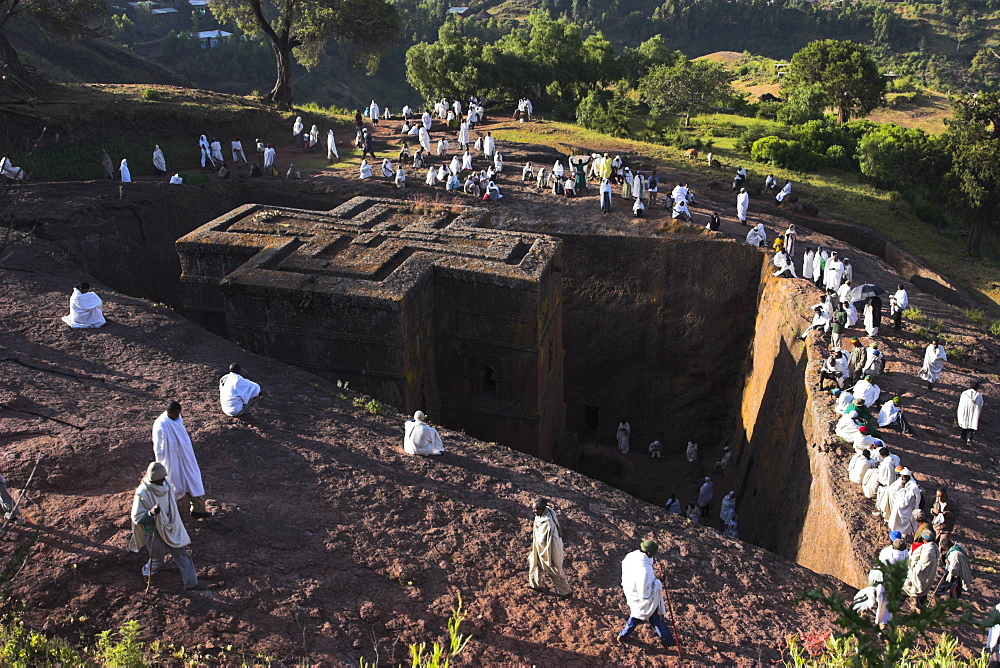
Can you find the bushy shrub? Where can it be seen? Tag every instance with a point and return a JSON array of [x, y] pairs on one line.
[[783, 153], [753, 132], [151, 94], [604, 112]]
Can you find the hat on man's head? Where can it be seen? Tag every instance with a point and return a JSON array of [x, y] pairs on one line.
[[156, 472], [649, 547], [419, 416], [863, 429], [895, 535], [836, 391]]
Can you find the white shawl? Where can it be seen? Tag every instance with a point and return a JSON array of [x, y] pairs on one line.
[[172, 448], [85, 310]]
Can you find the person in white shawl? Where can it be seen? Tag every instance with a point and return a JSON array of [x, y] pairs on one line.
[[728, 508], [331, 147], [691, 452], [866, 389], [419, 438], [85, 310], [892, 416], [873, 597], [993, 640], [784, 264], [819, 261], [216, 147], [237, 395], [742, 206], [705, 495], [757, 236], [834, 272], [239, 157], [934, 359], [527, 173], [489, 146], [558, 170], [159, 162], [387, 171], [644, 593], [442, 146], [785, 192], [313, 136], [400, 176], [157, 526], [8, 170], [426, 121], [463, 134], [904, 497], [467, 161], [297, 129], [546, 555], [172, 448], [622, 436], [860, 464], [424, 139], [970, 405], [366, 169], [886, 478], [807, 264], [431, 179], [206, 152], [373, 112], [454, 166], [126, 175], [386, 114], [176, 179], [541, 179]]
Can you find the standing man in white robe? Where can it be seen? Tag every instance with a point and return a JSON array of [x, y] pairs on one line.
[[897, 304], [742, 206], [489, 146], [206, 152], [269, 155], [126, 175], [644, 593], [239, 157], [427, 121], [373, 113], [705, 495], [834, 272], [419, 438], [970, 405], [237, 395], [463, 134], [172, 447], [622, 435], [886, 477], [86, 312], [424, 139], [934, 359], [157, 526], [159, 162], [904, 496], [546, 555]]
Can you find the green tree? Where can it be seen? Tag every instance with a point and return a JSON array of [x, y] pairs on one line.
[[605, 112], [802, 104], [69, 18], [973, 142], [846, 73], [897, 157], [298, 30], [687, 87], [450, 67]]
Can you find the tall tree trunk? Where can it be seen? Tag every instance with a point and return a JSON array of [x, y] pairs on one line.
[[976, 235], [281, 94]]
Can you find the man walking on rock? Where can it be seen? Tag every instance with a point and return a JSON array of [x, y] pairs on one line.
[[546, 554], [644, 593], [172, 448]]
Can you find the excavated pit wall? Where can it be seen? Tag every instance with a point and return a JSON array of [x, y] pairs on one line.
[[686, 330]]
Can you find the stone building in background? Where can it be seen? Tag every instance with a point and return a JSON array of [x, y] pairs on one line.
[[421, 306]]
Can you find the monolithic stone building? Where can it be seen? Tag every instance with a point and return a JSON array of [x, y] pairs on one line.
[[421, 306]]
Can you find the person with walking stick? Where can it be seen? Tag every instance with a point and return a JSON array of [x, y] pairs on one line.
[[157, 525], [644, 593]]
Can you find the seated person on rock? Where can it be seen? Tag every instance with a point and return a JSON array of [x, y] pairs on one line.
[[85, 310], [237, 395], [419, 438]]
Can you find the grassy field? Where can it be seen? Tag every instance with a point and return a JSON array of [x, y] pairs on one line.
[[838, 194]]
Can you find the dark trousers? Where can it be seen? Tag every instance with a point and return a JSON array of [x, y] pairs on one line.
[[605, 202], [900, 425], [967, 435], [660, 626], [897, 320]]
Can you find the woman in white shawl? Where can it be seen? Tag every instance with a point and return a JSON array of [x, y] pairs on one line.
[[442, 174], [785, 192], [493, 192], [159, 162], [454, 166], [373, 112], [85, 311], [728, 507], [400, 177], [934, 359], [386, 114], [541, 181], [126, 175], [527, 173], [431, 179], [424, 139], [442, 146], [297, 129], [790, 237], [757, 236], [558, 170], [467, 161], [313, 136], [366, 169], [387, 171], [206, 152], [217, 151], [463, 135], [498, 162], [427, 121]]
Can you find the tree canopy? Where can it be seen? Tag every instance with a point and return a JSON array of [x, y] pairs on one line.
[[973, 142], [65, 17], [687, 87], [300, 29], [844, 71]]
